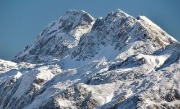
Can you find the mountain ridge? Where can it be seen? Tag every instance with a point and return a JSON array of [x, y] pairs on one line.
[[71, 38], [82, 62]]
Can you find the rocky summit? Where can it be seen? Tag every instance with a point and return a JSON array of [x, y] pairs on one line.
[[79, 62]]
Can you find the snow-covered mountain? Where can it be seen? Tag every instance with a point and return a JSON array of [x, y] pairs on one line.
[[82, 62]]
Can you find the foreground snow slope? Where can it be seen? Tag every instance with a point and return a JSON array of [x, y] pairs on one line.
[[81, 62]]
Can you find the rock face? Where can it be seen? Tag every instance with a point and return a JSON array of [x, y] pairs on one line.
[[82, 62]]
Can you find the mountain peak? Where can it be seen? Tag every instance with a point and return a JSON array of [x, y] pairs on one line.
[[80, 62], [118, 14], [73, 18], [80, 36], [122, 13]]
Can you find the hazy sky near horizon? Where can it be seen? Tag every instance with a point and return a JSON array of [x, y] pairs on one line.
[[22, 20]]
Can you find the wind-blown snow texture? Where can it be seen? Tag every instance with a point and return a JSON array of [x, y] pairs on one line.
[[81, 62]]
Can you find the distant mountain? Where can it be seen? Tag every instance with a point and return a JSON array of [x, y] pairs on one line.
[[81, 62]]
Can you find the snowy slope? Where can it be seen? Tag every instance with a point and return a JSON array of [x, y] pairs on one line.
[[81, 62]]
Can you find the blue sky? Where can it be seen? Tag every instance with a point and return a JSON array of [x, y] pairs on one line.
[[22, 20]]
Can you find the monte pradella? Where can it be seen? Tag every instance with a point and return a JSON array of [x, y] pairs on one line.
[[79, 62]]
